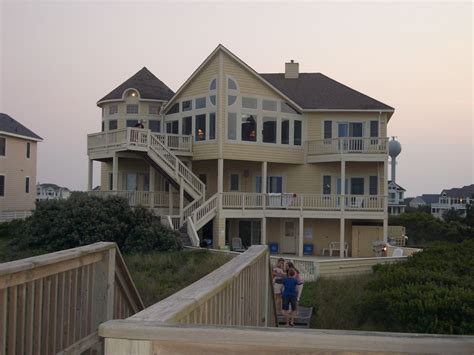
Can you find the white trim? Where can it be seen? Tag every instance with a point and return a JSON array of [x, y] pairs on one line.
[[21, 136], [345, 110]]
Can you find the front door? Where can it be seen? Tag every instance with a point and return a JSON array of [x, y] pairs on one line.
[[288, 245]]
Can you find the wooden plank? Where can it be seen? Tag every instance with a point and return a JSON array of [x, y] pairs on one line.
[[53, 314], [36, 348], [79, 305], [72, 308], [20, 338], [45, 316], [29, 331], [60, 312], [90, 298], [67, 309], [12, 319], [8, 280], [3, 320], [82, 345]]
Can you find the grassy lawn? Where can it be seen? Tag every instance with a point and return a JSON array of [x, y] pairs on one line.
[[334, 302]]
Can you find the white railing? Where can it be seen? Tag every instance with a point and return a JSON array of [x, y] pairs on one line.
[[206, 210], [143, 198], [10, 216], [367, 145], [295, 201], [176, 141]]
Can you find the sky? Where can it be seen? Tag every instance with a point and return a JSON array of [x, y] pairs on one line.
[[58, 58]]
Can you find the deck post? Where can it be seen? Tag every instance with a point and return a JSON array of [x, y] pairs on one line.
[[300, 236], [152, 187], [170, 195], [341, 237], [385, 229], [90, 174], [220, 181], [263, 232], [264, 183], [181, 201], [115, 162]]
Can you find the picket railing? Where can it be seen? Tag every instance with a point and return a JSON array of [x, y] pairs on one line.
[[156, 199], [207, 210], [54, 303], [347, 145], [176, 141]]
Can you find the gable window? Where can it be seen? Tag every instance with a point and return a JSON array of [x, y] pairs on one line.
[[373, 185], [2, 185], [269, 105], [231, 84], [249, 102], [212, 98], [297, 133], [213, 85], [132, 109], [187, 105], [132, 123], [269, 130], [374, 128], [187, 125], [173, 109], [154, 125], [153, 110], [3, 146], [200, 102], [28, 150], [27, 185], [285, 132], [113, 109], [231, 99], [112, 125], [200, 134], [212, 125], [249, 128], [234, 182], [326, 184], [231, 126], [327, 129]]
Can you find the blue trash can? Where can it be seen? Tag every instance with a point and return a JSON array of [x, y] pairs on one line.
[[308, 249], [273, 248]]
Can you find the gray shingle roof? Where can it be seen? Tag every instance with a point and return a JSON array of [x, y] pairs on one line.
[[10, 125], [465, 191], [317, 91], [149, 86], [430, 198]]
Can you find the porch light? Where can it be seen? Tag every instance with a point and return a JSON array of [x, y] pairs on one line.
[[134, 93]]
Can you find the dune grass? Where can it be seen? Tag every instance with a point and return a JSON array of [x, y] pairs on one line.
[[158, 275]]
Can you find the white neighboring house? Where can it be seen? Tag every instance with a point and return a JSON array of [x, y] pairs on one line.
[[455, 198], [51, 192], [396, 204]]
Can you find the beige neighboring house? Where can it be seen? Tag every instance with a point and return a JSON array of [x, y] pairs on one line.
[[294, 160], [18, 151]]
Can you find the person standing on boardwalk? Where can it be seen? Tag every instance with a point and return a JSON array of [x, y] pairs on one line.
[[290, 296], [278, 274]]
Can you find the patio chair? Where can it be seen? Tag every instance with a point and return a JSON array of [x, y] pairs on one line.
[[237, 245]]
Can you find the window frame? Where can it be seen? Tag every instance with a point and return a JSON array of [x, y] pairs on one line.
[[129, 112], [3, 146], [27, 184], [28, 150], [238, 182], [3, 185]]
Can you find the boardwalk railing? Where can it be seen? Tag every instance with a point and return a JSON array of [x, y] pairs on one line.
[[54, 303]]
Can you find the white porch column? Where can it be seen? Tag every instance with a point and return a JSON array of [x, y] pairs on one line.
[[181, 200], [385, 229], [343, 184], [341, 237], [385, 199], [151, 187], [263, 232], [300, 237], [170, 198], [220, 182], [115, 169], [264, 183], [90, 175]]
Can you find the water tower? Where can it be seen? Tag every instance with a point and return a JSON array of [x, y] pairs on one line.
[[394, 149]]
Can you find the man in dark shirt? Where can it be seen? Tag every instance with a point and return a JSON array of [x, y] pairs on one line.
[[290, 295]]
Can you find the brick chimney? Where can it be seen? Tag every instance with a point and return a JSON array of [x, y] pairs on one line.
[[292, 70]]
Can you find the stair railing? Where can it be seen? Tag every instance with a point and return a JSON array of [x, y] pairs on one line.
[[202, 212]]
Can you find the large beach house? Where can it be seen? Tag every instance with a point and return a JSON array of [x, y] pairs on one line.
[[294, 160]]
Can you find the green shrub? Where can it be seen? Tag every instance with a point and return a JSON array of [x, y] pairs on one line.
[[433, 292], [83, 219]]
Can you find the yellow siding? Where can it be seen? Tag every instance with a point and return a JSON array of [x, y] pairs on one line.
[[209, 168], [205, 151], [254, 152]]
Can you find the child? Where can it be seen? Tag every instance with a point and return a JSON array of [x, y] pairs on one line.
[[298, 277], [278, 274], [290, 295]]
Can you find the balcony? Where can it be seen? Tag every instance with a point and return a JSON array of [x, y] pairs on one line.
[[351, 148], [136, 139], [156, 199]]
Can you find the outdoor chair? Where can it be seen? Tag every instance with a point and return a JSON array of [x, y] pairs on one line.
[[237, 245]]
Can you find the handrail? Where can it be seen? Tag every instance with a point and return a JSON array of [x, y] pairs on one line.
[[208, 207], [369, 145]]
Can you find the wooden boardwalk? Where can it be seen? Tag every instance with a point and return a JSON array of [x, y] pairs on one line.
[[302, 318]]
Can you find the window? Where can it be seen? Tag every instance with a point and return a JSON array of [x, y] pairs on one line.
[[111, 181], [203, 178], [200, 102], [132, 93], [231, 100], [212, 98], [153, 110], [249, 128], [374, 128], [269, 105], [213, 85], [113, 109], [187, 105], [285, 132], [373, 185], [27, 185], [357, 186], [173, 109], [2, 185], [3, 146], [231, 84], [249, 102], [102, 126], [356, 129], [132, 123], [286, 108], [154, 126], [132, 109], [327, 184], [113, 125], [200, 127], [212, 125], [231, 126], [28, 150], [269, 130], [234, 182], [187, 126], [327, 129], [297, 132], [172, 127], [275, 184]]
